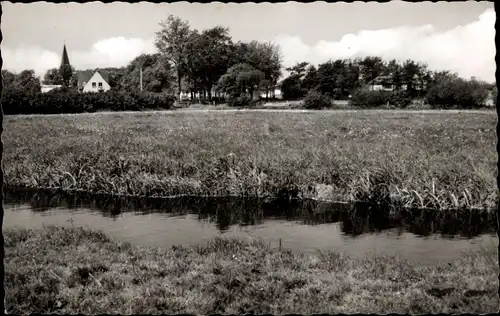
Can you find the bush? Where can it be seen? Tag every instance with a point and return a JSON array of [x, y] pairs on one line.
[[316, 100], [457, 92], [240, 101], [377, 98], [400, 99], [57, 102], [370, 99]]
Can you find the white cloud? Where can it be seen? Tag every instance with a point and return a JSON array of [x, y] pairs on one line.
[[468, 50], [29, 57], [111, 52]]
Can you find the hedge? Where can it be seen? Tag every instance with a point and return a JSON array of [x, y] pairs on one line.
[[371, 99], [58, 102]]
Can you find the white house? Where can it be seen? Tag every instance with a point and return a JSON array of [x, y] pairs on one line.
[[97, 81], [48, 87]]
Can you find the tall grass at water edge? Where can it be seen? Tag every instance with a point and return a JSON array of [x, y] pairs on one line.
[[440, 159]]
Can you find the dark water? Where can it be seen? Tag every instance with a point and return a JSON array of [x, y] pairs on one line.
[[356, 230]]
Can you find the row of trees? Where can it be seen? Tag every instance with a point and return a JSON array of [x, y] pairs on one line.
[[402, 82], [208, 61], [197, 62], [339, 78]]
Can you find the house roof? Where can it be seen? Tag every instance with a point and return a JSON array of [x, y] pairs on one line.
[[85, 75]]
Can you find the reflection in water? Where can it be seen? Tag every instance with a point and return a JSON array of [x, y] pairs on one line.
[[355, 230], [355, 219]]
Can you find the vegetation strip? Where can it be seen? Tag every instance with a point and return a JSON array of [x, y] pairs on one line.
[[433, 160], [75, 270]]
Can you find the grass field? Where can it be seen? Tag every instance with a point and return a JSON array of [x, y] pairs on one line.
[[438, 159], [70, 270]]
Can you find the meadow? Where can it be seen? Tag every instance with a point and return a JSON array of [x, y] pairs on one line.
[[76, 270], [433, 159]]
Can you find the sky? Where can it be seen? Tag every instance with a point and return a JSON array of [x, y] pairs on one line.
[[456, 36]]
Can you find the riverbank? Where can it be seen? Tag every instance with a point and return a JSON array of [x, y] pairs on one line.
[[436, 159], [70, 270]]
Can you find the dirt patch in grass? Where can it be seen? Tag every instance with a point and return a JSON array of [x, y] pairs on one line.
[[435, 159], [69, 270]]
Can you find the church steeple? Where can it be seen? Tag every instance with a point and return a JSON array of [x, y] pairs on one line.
[[65, 58], [66, 71]]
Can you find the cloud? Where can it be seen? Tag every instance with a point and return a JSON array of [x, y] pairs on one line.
[[110, 52], [468, 50]]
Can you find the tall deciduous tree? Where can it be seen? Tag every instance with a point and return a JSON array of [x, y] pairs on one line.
[[53, 77], [265, 57], [8, 78], [241, 79], [172, 41], [156, 74], [27, 81], [209, 57]]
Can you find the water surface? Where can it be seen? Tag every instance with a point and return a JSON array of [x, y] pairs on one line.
[[355, 230]]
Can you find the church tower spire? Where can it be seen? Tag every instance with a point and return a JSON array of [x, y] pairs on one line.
[[66, 71], [65, 58]]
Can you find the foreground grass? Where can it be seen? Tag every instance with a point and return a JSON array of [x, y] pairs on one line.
[[434, 159], [70, 270]]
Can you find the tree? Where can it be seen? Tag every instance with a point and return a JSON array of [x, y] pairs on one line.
[[156, 74], [53, 77], [299, 69], [241, 79], [172, 41], [66, 72], [209, 57], [27, 81], [393, 71], [8, 78], [370, 68], [414, 75], [310, 81], [448, 90], [291, 87], [265, 57], [330, 78]]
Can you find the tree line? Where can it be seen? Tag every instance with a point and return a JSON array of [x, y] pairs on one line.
[[360, 78], [208, 64]]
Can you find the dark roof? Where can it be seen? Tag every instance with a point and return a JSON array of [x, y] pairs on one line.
[[85, 75]]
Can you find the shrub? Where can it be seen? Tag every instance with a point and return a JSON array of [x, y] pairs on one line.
[[240, 101], [56, 102], [377, 98], [400, 99], [457, 92], [316, 100], [370, 99]]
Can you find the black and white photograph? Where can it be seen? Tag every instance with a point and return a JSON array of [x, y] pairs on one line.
[[249, 158]]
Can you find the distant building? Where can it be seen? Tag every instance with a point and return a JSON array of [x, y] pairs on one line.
[[48, 87], [274, 92], [93, 81]]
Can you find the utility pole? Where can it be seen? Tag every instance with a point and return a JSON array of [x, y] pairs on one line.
[[141, 78]]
